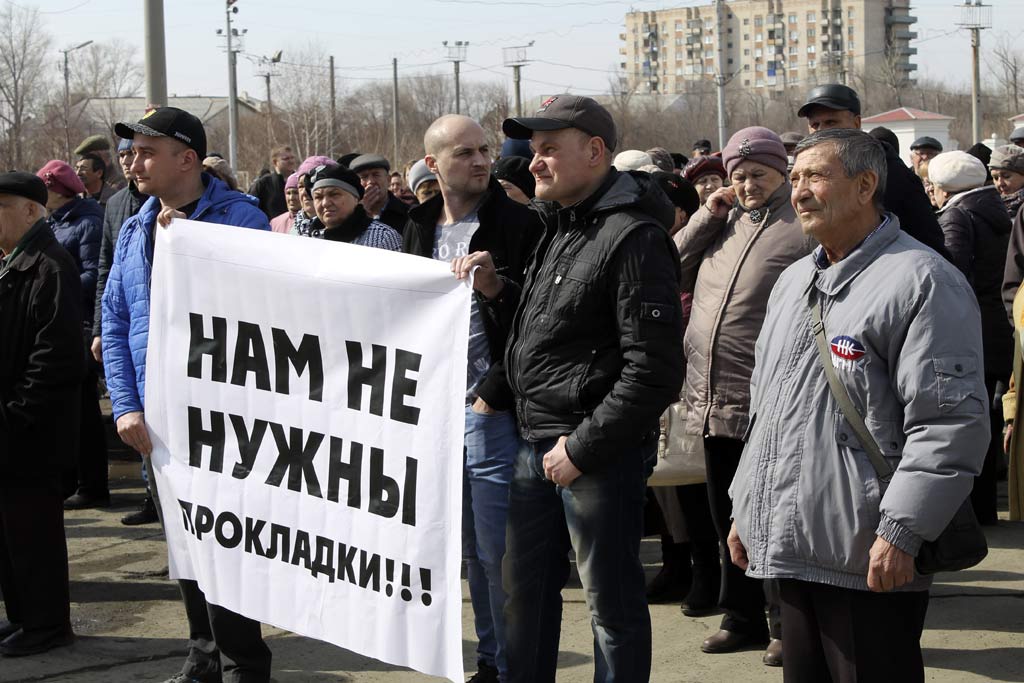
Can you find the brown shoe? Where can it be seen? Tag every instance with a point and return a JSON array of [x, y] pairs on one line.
[[729, 641], [773, 654]]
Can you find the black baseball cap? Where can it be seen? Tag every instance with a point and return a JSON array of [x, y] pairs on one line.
[[565, 111], [831, 96], [169, 122]]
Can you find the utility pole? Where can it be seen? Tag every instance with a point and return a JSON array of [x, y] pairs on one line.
[[234, 45], [394, 109], [456, 54], [67, 99], [156, 54], [975, 16], [266, 72], [515, 57], [334, 108], [720, 77]]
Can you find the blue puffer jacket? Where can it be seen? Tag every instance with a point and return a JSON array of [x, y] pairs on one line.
[[78, 227], [126, 297]]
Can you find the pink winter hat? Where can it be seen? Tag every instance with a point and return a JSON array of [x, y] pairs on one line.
[[759, 144], [61, 178], [292, 181], [312, 162]]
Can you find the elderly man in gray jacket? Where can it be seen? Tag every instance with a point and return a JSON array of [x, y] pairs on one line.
[[904, 336]]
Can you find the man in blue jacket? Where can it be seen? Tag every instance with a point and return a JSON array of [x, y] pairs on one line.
[[170, 145]]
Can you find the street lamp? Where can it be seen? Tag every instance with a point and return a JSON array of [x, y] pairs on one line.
[[67, 99]]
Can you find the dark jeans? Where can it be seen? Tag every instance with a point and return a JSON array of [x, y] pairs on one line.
[[851, 636], [599, 517], [742, 598], [237, 650], [34, 557], [91, 464], [222, 645]]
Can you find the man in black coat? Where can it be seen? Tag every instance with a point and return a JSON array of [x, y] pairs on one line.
[[837, 106], [269, 187], [374, 172], [41, 372], [124, 204], [473, 221], [594, 357]]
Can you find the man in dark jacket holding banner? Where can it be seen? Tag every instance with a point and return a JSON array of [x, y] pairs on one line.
[[594, 358], [41, 371], [473, 221]]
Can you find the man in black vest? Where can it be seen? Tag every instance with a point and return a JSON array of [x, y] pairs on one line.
[[594, 357]]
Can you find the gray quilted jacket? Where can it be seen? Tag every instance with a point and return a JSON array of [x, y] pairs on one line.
[[904, 334]]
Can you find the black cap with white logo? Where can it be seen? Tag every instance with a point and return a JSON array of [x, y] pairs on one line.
[[168, 122], [565, 111]]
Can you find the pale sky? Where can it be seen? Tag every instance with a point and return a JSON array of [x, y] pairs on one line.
[[576, 41]]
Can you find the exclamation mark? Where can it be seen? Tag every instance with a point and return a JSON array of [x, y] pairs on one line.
[[389, 570], [425, 584], [406, 593]]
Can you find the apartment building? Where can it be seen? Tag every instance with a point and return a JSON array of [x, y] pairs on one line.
[[769, 45]]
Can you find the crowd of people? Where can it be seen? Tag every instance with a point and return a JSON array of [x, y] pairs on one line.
[[807, 300]]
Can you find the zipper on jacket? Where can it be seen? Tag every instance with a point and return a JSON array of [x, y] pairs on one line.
[[721, 309], [517, 347]]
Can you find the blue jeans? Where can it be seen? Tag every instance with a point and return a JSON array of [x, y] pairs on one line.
[[600, 517], [492, 443]]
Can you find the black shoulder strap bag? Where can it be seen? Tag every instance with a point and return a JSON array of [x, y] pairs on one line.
[[961, 544]]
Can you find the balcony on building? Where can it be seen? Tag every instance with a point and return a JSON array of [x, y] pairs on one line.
[[900, 19]]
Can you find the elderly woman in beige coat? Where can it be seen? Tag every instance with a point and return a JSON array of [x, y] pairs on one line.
[[732, 252]]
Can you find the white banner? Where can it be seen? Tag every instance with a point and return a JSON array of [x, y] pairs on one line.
[[306, 405]]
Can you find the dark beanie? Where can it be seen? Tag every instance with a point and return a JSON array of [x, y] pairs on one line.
[[887, 136], [516, 170]]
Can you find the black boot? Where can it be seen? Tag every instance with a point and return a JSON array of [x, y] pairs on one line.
[[672, 582], [707, 578], [145, 515]]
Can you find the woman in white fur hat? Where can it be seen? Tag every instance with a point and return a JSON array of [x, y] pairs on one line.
[[976, 227]]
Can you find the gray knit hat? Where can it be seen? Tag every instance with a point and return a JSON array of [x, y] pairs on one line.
[[1007, 158], [419, 174]]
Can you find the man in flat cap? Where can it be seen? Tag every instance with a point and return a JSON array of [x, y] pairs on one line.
[[379, 202], [99, 145], [594, 357], [41, 371], [1017, 136], [838, 106], [923, 149]]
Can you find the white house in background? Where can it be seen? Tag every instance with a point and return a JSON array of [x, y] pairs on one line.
[[909, 124]]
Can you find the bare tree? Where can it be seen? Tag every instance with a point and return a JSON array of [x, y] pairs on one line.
[[107, 69], [23, 44], [1007, 66]]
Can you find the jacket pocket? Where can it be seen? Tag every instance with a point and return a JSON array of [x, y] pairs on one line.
[[956, 384], [839, 498]]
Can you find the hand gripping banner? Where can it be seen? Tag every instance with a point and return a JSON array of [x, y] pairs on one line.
[[306, 402]]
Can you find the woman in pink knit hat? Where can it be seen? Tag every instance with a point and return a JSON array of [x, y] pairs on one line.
[[732, 251], [77, 223]]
